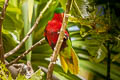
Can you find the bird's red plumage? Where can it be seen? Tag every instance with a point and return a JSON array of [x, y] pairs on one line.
[[68, 57], [53, 28]]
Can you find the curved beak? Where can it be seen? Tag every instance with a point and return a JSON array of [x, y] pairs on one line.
[[62, 14]]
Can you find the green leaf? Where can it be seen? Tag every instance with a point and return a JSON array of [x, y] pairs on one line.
[[9, 39], [4, 72], [30, 9], [100, 69], [116, 57], [27, 16], [21, 77], [63, 3], [38, 75], [81, 7]]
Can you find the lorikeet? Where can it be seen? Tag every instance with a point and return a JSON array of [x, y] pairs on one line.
[[68, 57]]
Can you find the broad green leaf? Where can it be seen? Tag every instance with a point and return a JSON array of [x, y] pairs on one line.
[[27, 16], [21, 77], [14, 10], [9, 39], [13, 3], [38, 75], [100, 69], [30, 9], [11, 23]]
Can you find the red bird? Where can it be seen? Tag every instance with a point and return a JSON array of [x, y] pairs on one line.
[[68, 57]]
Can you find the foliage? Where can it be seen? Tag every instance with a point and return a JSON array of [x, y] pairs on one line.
[[4, 73], [36, 76], [92, 25]]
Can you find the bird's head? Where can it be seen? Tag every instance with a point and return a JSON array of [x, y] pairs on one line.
[[58, 14]]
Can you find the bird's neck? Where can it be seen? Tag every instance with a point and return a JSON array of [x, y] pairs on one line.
[[58, 17]]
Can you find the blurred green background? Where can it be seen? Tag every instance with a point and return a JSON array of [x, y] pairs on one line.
[[92, 25]]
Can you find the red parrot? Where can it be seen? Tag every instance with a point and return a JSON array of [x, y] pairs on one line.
[[67, 55]]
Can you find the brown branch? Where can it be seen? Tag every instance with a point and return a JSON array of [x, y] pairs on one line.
[[29, 33], [1, 22], [59, 42], [14, 71], [25, 53]]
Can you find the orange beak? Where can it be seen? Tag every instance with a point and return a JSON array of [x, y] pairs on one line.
[[62, 14]]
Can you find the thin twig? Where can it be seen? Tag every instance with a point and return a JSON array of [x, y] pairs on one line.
[[59, 42], [1, 22], [29, 33], [25, 53]]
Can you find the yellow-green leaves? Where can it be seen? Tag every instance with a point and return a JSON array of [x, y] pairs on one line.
[[38, 75], [27, 17], [4, 73], [30, 9]]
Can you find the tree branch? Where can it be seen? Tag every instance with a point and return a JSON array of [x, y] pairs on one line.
[[1, 22], [29, 33], [14, 71], [25, 53], [59, 42]]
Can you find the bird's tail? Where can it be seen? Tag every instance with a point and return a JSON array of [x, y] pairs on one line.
[[70, 64]]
